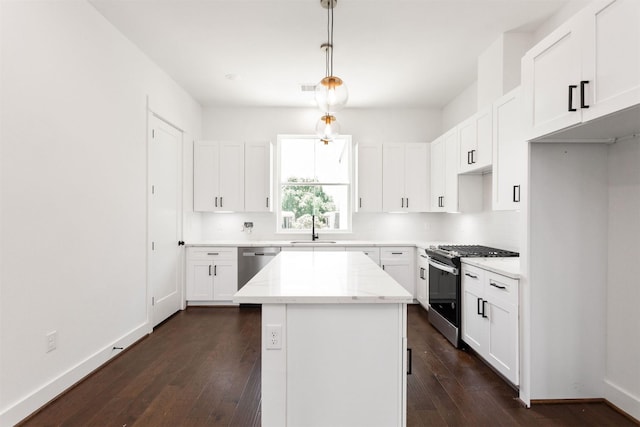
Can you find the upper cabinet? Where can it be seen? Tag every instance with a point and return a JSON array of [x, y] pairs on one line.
[[218, 176], [475, 138], [438, 177], [406, 176], [587, 68], [369, 178], [258, 184], [509, 152]]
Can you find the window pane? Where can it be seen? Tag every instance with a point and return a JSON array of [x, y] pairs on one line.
[[297, 159], [332, 161], [329, 204]]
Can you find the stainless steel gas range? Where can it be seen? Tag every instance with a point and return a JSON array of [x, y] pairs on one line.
[[445, 284]]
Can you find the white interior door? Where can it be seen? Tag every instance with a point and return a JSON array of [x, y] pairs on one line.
[[164, 218]]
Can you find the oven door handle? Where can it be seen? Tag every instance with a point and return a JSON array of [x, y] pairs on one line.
[[443, 267]]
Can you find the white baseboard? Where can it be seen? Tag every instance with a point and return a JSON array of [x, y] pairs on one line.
[[622, 398], [40, 397]]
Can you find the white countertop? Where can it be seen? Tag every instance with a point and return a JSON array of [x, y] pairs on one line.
[[303, 242], [322, 278], [509, 267]]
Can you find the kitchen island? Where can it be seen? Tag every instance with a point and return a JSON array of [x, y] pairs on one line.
[[333, 340]]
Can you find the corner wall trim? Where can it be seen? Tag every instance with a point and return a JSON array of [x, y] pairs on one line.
[[49, 391]]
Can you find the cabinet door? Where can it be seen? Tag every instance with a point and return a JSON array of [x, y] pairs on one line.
[[225, 280], [205, 176], [467, 134], [393, 173], [451, 171], [437, 175], [509, 152], [482, 158], [199, 280], [417, 177], [611, 61], [257, 177], [502, 342], [549, 72], [231, 175], [369, 185], [474, 330]]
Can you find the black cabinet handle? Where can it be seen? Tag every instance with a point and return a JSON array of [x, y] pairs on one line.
[[212, 253], [402, 202], [220, 201], [360, 202], [267, 203], [396, 253], [215, 270], [470, 275], [422, 273], [473, 156], [216, 202], [571, 88], [479, 309], [181, 243], [583, 83], [409, 361], [484, 307], [469, 157], [407, 202], [209, 269], [516, 193], [495, 285]]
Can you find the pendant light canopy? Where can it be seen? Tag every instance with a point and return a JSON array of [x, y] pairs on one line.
[[331, 93]]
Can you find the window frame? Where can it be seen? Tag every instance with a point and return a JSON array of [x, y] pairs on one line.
[[278, 186]]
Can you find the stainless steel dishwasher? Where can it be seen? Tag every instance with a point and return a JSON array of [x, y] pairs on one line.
[[252, 260]]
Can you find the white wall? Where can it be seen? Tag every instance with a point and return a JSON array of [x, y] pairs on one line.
[[376, 126], [622, 381], [460, 108], [73, 195]]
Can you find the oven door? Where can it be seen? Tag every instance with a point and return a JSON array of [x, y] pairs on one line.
[[444, 285]]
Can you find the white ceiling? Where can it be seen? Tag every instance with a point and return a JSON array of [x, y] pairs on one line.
[[394, 53]]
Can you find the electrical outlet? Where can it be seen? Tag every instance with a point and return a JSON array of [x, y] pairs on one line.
[[274, 337], [52, 340]]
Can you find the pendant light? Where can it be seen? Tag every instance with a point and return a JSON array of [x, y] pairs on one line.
[[331, 93], [327, 128]]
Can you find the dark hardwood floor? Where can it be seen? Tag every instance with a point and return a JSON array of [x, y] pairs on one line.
[[202, 368]]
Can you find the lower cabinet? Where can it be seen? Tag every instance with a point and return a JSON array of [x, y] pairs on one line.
[[399, 263], [212, 274], [490, 318]]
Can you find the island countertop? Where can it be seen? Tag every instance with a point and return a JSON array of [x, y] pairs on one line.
[[322, 278]]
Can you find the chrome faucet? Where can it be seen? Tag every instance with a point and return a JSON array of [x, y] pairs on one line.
[[314, 235]]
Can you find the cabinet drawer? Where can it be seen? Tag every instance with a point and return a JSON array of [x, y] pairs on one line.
[[212, 253], [397, 253], [473, 277], [501, 288]]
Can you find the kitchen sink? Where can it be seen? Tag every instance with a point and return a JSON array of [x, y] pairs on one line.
[[313, 241]]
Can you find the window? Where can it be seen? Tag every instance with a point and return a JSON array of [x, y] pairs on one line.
[[314, 180]]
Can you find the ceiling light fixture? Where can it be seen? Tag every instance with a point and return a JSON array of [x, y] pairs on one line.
[[331, 93]]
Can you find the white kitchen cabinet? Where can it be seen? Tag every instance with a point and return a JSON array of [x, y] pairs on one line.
[[587, 68], [490, 318], [405, 177], [475, 140], [399, 263], [369, 178], [422, 278], [258, 182], [212, 274], [509, 152], [370, 251], [218, 176], [451, 192]]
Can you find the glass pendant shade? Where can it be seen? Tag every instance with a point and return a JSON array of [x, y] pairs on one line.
[[327, 128], [331, 94]]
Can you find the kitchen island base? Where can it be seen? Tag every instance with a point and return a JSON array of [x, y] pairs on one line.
[[337, 365]]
